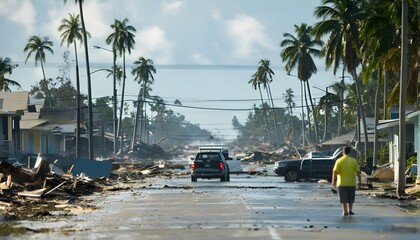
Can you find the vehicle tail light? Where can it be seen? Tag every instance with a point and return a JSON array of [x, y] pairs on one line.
[[192, 165], [222, 166]]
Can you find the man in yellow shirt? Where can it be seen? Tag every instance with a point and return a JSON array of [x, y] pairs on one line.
[[345, 169]]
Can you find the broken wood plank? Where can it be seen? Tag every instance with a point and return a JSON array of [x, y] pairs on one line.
[[54, 188], [34, 193]]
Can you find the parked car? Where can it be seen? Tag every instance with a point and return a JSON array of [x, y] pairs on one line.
[[210, 165], [307, 168]]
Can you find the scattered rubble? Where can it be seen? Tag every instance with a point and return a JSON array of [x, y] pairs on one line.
[[55, 190]]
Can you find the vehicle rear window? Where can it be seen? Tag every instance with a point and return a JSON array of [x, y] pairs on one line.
[[206, 156]]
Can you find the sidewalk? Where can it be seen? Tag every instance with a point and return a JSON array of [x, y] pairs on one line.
[[388, 189]]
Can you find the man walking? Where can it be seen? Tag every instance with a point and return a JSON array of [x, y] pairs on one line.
[[345, 169]]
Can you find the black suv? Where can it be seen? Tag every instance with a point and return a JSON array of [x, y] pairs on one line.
[[210, 165]]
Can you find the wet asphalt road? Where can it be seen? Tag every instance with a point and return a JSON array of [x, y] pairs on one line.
[[247, 207]]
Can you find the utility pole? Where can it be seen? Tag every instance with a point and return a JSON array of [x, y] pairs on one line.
[[403, 96], [326, 114], [114, 94]]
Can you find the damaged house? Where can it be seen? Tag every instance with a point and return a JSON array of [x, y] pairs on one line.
[[12, 107]]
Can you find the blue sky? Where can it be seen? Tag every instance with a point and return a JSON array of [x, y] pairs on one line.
[[180, 36]]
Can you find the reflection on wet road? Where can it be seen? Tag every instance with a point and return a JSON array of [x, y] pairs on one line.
[[247, 207]]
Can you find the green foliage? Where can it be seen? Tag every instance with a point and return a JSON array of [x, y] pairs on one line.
[[103, 110], [410, 161], [59, 93], [254, 130], [383, 155]]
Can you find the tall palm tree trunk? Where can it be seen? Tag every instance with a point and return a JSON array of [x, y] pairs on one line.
[[385, 95], [361, 110], [341, 120], [136, 123], [265, 115], [120, 133], [313, 112], [90, 115], [274, 113], [375, 143], [292, 125], [303, 114], [114, 99], [46, 85], [308, 114], [403, 99], [77, 103], [143, 135]]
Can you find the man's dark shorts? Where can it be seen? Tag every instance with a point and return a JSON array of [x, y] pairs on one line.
[[347, 194]]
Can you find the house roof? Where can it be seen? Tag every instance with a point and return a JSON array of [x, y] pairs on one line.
[[29, 124], [384, 124], [349, 138], [13, 101], [345, 139]]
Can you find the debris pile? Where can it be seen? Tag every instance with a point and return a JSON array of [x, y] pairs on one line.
[[54, 189], [144, 151], [272, 156]]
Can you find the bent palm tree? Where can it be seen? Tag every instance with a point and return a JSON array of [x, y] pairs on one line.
[[143, 72], [72, 32], [122, 40], [6, 67], [38, 46], [298, 53], [256, 83], [264, 75]]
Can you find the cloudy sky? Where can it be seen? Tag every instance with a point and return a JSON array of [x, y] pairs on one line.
[[205, 51]]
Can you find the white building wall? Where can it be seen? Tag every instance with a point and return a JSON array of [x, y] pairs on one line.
[[395, 154]]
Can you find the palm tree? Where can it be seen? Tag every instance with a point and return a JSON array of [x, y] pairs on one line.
[[341, 23], [256, 83], [89, 82], [264, 75], [380, 35], [298, 53], [38, 46], [290, 105], [339, 88], [122, 40], [72, 32], [6, 67], [117, 73], [143, 72]]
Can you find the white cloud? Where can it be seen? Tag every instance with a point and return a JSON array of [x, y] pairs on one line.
[[21, 12], [171, 8], [247, 34], [152, 43]]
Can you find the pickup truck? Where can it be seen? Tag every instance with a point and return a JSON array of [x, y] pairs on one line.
[[307, 168]]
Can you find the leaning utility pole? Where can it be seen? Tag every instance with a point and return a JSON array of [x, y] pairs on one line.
[[403, 96]]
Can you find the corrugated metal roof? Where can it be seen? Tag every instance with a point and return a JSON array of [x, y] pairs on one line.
[[14, 101]]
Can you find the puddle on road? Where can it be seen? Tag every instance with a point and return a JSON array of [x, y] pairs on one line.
[[411, 208]]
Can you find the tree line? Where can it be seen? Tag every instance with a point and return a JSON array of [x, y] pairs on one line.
[[359, 37]]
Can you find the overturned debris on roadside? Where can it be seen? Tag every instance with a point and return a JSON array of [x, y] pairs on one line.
[[55, 189]]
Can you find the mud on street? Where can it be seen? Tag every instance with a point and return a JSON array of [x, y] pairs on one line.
[[257, 206]]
